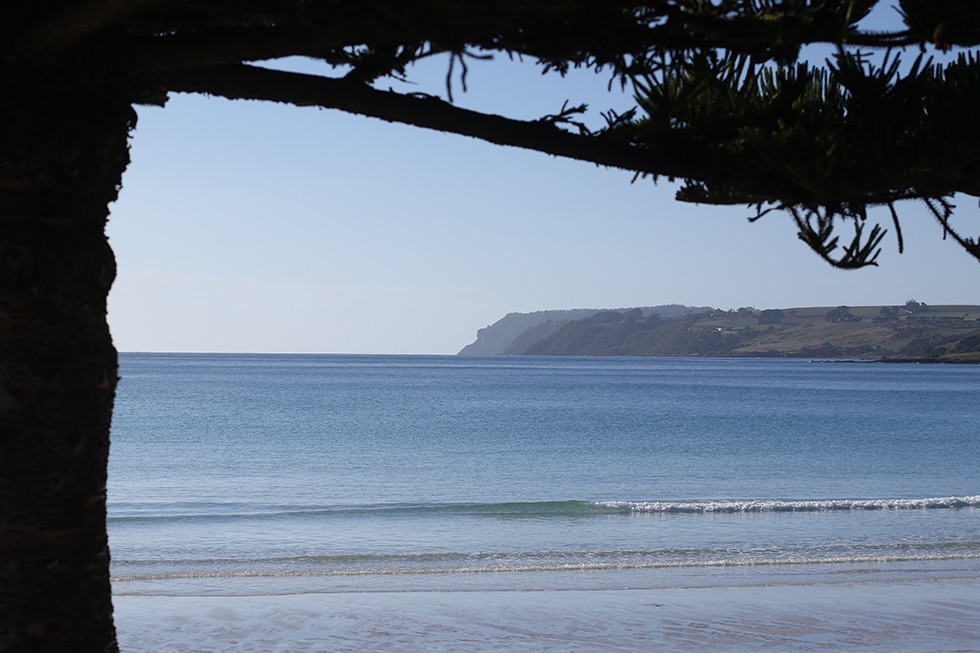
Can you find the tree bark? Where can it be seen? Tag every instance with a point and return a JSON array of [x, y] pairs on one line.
[[61, 163]]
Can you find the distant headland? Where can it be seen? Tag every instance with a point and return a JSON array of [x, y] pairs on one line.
[[910, 331]]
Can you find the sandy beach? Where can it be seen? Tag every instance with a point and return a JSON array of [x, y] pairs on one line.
[[921, 616]]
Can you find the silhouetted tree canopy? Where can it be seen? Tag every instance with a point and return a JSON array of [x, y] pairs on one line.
[[723, 101], [726, 104]]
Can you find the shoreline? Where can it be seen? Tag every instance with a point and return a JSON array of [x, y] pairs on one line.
[[921, 616]]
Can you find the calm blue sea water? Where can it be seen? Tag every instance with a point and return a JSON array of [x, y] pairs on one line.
[[252, 474]]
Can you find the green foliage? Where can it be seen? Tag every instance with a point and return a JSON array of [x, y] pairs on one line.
[[771, 316], [842, 314]]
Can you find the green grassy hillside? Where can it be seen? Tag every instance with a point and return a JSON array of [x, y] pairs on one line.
[[948, 333]]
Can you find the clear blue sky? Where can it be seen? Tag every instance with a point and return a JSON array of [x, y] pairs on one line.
[[253, 227]]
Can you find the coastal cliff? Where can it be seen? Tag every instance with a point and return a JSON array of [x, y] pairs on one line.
[[946, 333]]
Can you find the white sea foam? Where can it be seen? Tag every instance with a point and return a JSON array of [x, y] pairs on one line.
[[612, 561], [795, 506]]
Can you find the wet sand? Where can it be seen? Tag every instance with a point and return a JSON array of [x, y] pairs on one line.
[[914, 617]]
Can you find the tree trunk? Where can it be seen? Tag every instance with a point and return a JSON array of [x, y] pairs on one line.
[[61, 163]]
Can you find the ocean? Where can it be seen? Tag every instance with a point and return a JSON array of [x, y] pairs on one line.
[[285, 475]]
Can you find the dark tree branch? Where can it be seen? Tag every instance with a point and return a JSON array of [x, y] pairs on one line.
[[255, 83]]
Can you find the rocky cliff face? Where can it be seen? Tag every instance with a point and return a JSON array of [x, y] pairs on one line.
[[494, 339], [514, 333]]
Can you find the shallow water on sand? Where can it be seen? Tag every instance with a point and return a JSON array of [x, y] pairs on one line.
[[912, 617]]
